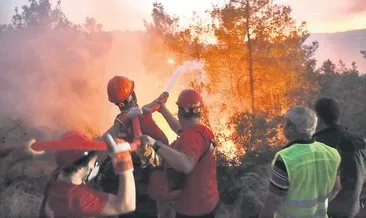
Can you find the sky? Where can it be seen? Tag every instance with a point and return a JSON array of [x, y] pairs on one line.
[[321, 15]]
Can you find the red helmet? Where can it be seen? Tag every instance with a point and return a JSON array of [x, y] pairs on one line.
[[190, 98], [119, 89], [68, 157]]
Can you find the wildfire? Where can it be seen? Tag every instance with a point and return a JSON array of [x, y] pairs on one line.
[[223, 135], [230, 150]]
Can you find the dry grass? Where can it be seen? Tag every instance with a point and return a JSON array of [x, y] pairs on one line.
[[23, 191], [23, 174], [21, 199]]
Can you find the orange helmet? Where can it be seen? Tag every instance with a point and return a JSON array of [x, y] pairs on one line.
[[119, 89], [190, 98]]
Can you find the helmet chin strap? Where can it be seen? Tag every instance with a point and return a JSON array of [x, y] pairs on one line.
[[93, 172], [130, 104]]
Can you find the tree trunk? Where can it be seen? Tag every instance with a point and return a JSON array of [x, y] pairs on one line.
[[250, 57]]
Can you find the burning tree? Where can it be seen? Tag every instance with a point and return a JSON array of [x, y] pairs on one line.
[[165, 40], [279, 57], [258, 60]]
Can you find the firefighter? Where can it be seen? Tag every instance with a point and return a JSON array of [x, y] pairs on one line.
[[189, 164], [66, 194], [121, 93]]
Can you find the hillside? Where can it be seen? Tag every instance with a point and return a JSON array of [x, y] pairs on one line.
[[341, 45]]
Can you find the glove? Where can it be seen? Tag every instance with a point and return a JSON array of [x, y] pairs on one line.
[[121, 156], [156, 104], [147, 140], [144, 151], [132, 112], [125, 116], [163, 98], [147, 154]]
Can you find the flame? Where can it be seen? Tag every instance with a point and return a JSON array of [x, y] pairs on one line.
[[230, 150], [65, 87]]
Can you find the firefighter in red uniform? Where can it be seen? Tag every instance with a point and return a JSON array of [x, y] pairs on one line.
[[121, 93], [189, 162], [66, 194]]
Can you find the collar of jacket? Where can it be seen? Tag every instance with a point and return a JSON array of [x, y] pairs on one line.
[[310, 141], [330, 128]]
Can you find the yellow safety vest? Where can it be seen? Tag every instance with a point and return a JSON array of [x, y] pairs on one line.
[[312, 170]]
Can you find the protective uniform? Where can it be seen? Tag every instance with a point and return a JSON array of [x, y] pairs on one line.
[[121, 92]]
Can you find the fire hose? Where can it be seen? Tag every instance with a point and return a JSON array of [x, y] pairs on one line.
[[185, 67]]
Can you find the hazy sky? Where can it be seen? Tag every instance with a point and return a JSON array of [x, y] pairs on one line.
[[321, 15]]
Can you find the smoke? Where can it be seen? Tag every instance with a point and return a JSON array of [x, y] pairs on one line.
[[56, 80], [113, 14]]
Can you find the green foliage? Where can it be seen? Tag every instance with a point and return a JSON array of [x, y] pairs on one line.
[[328, 67], [349, 87]]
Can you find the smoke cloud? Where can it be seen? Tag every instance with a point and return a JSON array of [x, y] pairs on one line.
[[55, 79]]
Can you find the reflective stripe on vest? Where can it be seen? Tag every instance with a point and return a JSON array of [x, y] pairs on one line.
[[312, 170], [318, 213], [308, 203]]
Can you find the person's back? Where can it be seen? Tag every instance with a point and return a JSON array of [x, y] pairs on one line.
[[200, 194], [305, 173], [69, 200], [352, 149], [189, 164], [312, 170]]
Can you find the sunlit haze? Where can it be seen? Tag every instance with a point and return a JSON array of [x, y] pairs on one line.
[[321, 15]]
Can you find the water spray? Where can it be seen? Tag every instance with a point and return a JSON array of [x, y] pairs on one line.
[[185, 67]]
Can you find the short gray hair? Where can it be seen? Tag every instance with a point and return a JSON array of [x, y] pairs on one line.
[[304, 119]]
